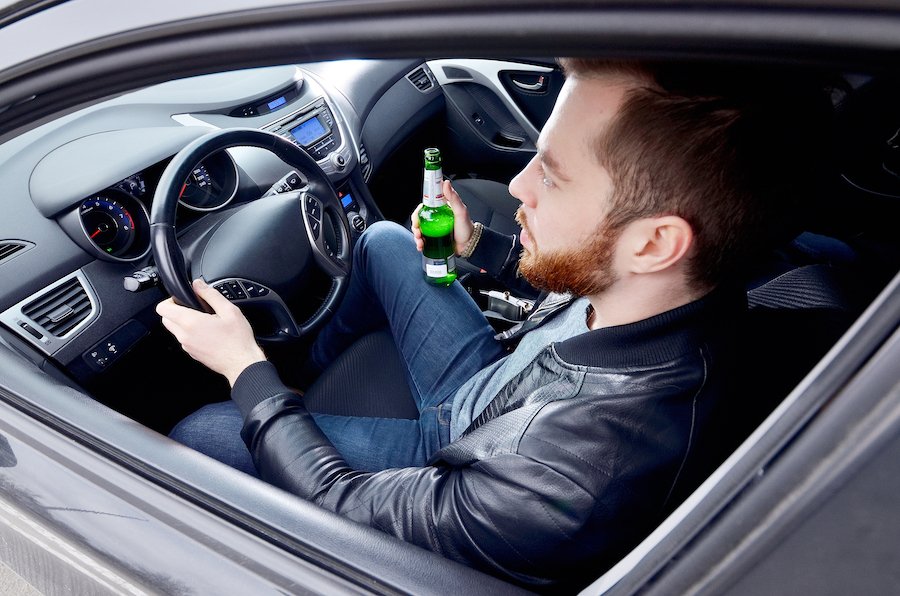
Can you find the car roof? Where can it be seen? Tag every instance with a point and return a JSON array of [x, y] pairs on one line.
[[24, 25], [74, 23]]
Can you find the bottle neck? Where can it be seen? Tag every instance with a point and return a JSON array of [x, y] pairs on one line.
[[433, 188]]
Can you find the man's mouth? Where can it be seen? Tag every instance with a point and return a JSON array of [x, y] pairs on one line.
[[525, 236]]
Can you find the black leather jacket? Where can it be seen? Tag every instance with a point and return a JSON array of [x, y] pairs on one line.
[[571, 464]]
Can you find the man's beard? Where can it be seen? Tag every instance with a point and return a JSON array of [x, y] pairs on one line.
[[583, 271]]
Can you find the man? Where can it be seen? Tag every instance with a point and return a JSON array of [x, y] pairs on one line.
[[546, 462]]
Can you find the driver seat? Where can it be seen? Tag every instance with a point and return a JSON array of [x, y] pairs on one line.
[[367, 379], [804, 309]]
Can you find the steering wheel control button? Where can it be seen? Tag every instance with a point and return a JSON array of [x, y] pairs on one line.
[[255, 290], [237, 290], [241, 289], [313, 208], [225, 290], [315, 227]]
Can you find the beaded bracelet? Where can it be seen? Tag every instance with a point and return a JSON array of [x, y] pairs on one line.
[[473, 241]]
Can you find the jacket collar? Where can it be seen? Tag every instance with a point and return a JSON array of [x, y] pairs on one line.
[[660, 338]]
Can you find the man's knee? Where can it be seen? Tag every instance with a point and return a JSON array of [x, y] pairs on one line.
[[206, 425], [384, 240], [385, 233]]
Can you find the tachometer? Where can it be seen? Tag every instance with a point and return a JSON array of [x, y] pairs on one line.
[[211, 184], [114, 224]]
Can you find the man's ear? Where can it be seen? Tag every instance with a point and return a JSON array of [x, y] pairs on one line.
[[656, 243]]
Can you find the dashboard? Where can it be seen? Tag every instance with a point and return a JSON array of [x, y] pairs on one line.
[[75, 261]]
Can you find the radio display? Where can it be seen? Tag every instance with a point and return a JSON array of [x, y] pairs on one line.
[[309, 131]]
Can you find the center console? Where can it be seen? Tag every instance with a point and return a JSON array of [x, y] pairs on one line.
[[313, 128], [319, 131]]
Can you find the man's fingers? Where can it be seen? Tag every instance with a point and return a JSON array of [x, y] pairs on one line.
[[185, 317], [453, 198], [414, 220], [211, 296], [167, 309], [416, 228], [174, 329], [163, 307]]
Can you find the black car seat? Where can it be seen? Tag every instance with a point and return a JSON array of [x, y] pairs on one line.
[[796, 314], [490, 203], [794, 320], [367, 379]]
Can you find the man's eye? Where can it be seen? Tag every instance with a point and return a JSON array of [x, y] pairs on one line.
[[545, 180]]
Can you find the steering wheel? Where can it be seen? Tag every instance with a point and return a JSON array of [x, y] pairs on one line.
[[261, 254]]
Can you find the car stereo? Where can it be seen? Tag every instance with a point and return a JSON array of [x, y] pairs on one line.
[[311, 128]]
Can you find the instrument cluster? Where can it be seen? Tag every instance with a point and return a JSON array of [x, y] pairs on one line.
[[116, 220]]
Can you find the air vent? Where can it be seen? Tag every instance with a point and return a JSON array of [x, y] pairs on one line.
[[421, 79], [62, 309], [364, 163], [8, 248]]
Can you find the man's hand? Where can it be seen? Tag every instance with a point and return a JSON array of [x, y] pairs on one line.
[[223, 341], [462, 225]]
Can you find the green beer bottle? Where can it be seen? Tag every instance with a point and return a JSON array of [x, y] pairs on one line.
[[436, 223]]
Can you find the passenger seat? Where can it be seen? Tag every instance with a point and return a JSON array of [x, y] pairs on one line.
[[490, 203]]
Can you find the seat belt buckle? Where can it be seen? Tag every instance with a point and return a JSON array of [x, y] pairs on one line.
[[508, 307]]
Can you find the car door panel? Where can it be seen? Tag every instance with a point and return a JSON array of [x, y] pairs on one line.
[[533, 92], [495, 109]]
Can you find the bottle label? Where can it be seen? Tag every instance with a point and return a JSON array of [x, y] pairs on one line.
[[433, 189], [439, 267]]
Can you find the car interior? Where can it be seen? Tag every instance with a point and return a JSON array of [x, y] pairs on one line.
[[83, 200]]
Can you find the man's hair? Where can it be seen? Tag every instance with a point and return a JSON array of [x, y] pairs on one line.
[[730, 150]]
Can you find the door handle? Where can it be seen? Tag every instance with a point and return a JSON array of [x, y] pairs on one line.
[[532, 87]]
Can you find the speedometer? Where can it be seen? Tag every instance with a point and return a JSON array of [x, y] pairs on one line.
[[114, 223]]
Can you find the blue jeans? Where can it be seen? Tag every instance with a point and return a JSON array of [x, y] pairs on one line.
[[441, 335]]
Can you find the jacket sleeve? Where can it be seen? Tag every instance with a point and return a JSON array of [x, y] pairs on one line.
[[474, 514], [498, 254]]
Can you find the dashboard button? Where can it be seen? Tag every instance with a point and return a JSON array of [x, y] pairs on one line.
[[31, 330], [115, 345], [358, 223]]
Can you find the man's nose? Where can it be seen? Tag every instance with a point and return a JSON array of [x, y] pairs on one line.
[[519, 189]]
